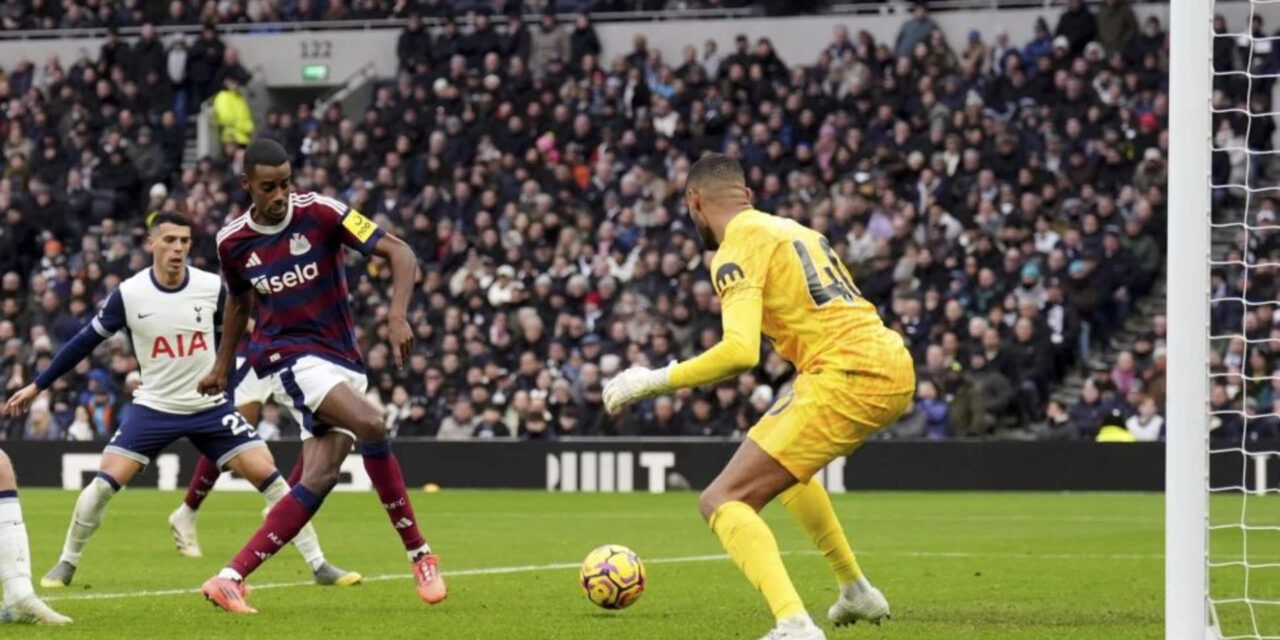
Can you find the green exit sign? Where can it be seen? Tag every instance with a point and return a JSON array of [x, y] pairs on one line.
[[315, 72]]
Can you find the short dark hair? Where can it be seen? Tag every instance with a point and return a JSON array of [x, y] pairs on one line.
[[714, 168], [264, 151], [172, 217]]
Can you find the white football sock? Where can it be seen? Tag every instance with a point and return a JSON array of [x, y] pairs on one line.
[[86, 518], [186, 513], [420, 551], [851, 589], [307, 542], [15, 560]]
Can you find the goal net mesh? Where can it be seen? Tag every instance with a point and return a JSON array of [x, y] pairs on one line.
[[1244, 356]]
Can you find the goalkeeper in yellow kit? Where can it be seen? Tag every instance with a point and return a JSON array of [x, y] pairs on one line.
[[855, 376]]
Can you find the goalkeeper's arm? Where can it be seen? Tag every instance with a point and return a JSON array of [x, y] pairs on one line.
[[738, 351]]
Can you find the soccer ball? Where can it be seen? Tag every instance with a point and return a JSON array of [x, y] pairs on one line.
[[612, 576]]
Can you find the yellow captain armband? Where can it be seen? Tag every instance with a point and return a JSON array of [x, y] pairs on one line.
[[359, 226]]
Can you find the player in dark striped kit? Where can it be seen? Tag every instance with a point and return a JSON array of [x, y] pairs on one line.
[[286, 256]]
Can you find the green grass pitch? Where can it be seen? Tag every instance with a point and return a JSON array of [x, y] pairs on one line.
[[954, 565]]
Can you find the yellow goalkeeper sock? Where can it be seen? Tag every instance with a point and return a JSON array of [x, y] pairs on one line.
[[751, 545], [810, 505]]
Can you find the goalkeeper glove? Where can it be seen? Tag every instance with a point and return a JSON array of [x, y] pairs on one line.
[[636, 383]]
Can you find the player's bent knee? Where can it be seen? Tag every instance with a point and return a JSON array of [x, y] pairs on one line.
[[320, 481], [255, 465], [709, 501], [120, 468], [370, 428]]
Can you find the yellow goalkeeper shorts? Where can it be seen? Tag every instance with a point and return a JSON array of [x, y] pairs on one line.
[[824, 417]]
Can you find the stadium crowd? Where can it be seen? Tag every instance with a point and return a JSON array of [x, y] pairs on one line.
[[89, 14], [1000, 200]]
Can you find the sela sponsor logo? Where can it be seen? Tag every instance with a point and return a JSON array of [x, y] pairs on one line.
[[298, 275]]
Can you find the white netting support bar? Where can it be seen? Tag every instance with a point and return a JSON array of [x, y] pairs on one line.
[[1187, 457]]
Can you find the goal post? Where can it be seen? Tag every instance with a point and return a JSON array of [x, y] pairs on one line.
[[1187, 452]]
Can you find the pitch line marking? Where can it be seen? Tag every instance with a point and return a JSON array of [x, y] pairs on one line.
[[530, 568]]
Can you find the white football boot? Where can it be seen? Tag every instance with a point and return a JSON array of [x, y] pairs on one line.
[[32, 610], [796, 628], [183, 528], [859, 601]]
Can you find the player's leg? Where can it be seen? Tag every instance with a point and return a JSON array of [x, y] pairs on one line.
[[20, 601], [283, 522], [257, 466], [731, 505], [344, 406], [120, 463], [837, 419], [182, 522]]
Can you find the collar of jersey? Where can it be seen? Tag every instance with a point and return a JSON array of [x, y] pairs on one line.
[[186, 277], [745, 212], [274, 228]]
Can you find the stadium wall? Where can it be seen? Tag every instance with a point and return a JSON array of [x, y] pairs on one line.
[[282, 56], [660, 465]]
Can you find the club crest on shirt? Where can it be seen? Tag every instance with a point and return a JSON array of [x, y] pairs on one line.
[[299, 244]]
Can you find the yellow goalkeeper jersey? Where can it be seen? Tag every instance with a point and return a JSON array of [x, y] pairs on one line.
[[812, 311]]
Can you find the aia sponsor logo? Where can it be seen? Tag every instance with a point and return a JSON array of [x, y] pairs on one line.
[[178, 346]]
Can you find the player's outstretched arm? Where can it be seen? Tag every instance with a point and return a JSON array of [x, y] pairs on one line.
[[404, 273], [739, 351], [71, 353], [235, 319]]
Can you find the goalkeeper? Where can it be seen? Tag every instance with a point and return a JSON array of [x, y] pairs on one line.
[[777, 277]]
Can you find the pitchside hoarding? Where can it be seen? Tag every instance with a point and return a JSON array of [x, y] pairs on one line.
[[619, 465]]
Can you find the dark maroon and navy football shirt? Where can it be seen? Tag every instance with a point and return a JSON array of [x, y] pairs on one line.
[[297, 270]]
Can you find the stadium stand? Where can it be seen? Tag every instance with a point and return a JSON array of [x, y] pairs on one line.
[[1000, 199]]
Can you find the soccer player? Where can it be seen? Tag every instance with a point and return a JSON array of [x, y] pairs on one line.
[[285, 254], [855, 376], [170, 311], [20, 601], [251, 392]]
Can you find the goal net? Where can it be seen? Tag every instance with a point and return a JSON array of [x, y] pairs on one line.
[[1223, 514]]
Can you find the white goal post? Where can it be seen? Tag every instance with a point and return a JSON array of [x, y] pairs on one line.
[[1187, 453]]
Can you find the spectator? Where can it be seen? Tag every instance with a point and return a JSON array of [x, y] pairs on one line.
[[1087, 414], [1147, 425], [461, 424], [1078, 25], [231, 112], [933, 409], [551, 42], [1117, 25], [414, 45], [914, 31]]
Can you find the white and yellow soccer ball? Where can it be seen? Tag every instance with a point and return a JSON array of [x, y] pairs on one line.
[[612, 576]]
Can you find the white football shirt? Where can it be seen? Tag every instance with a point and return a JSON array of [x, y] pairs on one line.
[[172, 331]]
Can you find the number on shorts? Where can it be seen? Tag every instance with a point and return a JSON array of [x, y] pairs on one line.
[[237, 424]]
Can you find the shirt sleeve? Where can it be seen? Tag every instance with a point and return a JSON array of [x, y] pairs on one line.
[[739, 278], [737, 351], [111, 317], [230, 272]]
